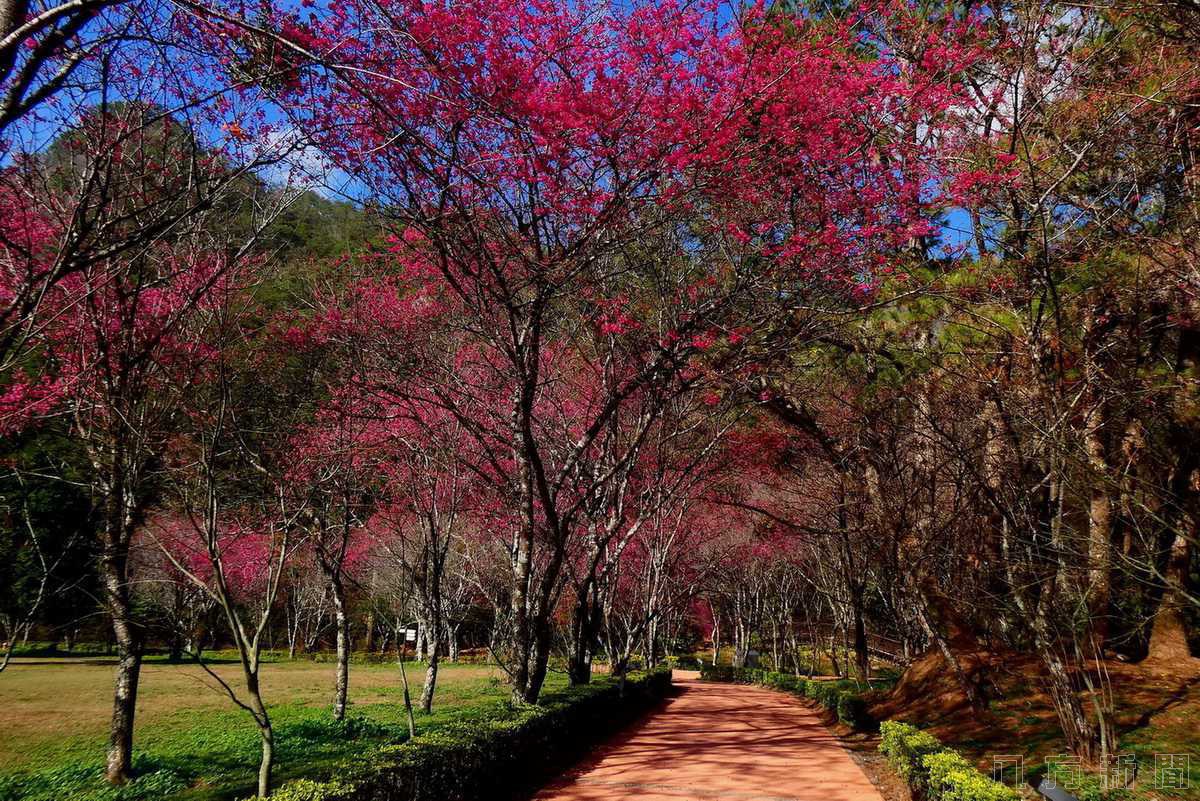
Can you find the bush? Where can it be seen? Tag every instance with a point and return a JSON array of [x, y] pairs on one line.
[[825, 693], [783, 681], [940, 768], [687, 662], [829, 694], [493, 755], [936, 773], [852, 710], [728, 674], [905, 747], [952, 778], [839, 697]]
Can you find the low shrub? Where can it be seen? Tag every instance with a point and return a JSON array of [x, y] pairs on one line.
[[495, 755], [952, 778], [934, 772], [42, 650], [906, 747], [825, 693], [852, 710], [940, 768], [686, 662], [839, 697], [725, 673], [783, 681]]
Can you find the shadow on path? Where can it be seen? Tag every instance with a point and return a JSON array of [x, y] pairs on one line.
[[719, 741]]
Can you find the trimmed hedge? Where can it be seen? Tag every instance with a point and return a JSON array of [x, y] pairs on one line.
[[725, 673], [499, 753], [934, 772], [852, 710], [905, 747], [686, 662], [839, 697]]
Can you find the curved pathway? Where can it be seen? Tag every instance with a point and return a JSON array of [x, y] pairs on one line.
[[720, 741]]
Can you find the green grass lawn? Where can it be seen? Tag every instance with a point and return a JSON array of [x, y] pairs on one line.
[[191, 742]]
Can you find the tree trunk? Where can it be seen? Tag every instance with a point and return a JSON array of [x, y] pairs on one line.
[[522, 565], [522, 641], [369, 643], [431, 672], [716, 639], [943, 645], [266, 733], [652, 644], [540, 658], [433, 627], [741, 644], [267, 761], [1099, 545], [1083, 737], [385, 639], [120, 741], [862, 653], [8, 651], [115, 571], [342, 672], [408, 708], [1168, 632], [579, 661]]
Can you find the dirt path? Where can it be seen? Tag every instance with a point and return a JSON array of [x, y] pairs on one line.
[[720, 741]]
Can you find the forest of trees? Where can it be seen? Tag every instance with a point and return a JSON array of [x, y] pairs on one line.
[[559, 333]]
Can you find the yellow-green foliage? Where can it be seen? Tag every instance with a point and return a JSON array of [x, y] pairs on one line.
[[935, 772]]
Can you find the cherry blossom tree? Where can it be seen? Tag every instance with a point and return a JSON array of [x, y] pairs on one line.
[[228, 524], [239, 565], [118, 133], [331, 488], [537, 160], [116, 343]]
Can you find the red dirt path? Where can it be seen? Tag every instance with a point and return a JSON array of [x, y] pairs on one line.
[[720, 741]]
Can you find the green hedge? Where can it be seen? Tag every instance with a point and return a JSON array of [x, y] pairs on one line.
[[725, 673], [686, 662], [839, 697], [497, 754], [934, 772], [852, 710]]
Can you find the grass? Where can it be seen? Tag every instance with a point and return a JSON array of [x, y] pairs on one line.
[[1155, 714], [191, 742], [1171, 731]]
